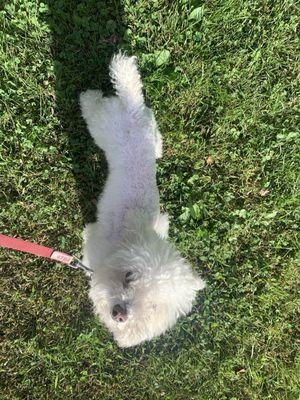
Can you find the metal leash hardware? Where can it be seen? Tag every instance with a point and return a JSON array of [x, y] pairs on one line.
[[77, 264]]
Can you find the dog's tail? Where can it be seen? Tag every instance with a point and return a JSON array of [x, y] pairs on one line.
[[127, 82]]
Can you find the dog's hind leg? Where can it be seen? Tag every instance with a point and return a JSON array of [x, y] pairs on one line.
[[158, 144], [90, 102], [97, 112]]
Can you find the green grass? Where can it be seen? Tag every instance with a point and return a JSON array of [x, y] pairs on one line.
[[223, 79]]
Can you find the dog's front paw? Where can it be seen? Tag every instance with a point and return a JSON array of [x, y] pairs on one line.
[[161, 226]]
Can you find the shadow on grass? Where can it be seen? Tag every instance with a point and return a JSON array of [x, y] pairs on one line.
[[85, 34]]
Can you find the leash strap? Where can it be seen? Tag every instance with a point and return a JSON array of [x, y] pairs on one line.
[[42, 251]]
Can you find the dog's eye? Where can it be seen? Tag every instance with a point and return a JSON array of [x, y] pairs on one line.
[[128, 276]]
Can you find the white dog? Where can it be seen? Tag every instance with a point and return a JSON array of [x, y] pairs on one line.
[[140, 284]]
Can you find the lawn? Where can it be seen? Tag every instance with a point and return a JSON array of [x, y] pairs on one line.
[[223, 80]]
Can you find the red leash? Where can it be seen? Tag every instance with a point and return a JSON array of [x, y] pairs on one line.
[[42, 251]]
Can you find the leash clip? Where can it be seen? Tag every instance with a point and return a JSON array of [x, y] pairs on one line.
[[75, 263]]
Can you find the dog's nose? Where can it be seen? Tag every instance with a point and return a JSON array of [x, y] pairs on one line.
[[119, 313]]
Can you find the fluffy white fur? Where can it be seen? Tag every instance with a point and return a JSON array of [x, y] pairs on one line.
[[135, 267]]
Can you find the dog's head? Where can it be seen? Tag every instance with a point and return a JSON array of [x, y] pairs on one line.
[[143, 286]]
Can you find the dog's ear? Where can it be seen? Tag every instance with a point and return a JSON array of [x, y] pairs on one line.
[[193, 282], [161, 226], [199, 283]]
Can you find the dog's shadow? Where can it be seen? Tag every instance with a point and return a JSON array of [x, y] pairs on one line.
[[85, 34]]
